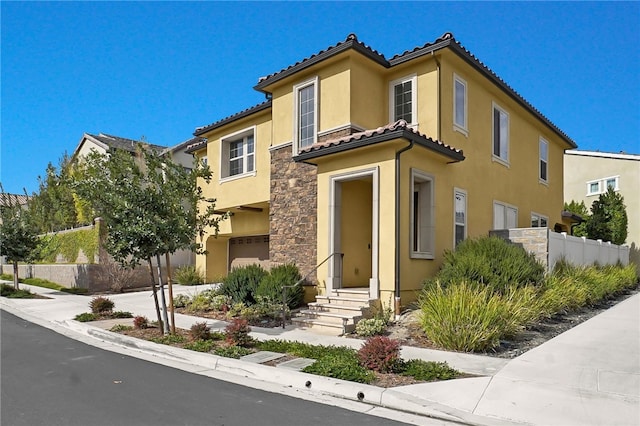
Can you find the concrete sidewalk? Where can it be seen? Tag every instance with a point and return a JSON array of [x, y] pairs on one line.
[[589, 375]]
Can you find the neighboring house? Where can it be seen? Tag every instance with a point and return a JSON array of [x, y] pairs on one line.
[[587, 174], [388, 161]]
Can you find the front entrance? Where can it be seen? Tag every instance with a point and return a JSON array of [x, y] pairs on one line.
[[354, 231]]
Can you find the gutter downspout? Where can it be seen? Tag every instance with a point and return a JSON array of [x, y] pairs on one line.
[[397, 214]]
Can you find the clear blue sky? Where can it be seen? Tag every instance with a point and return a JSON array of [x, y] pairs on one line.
[[161, 69]]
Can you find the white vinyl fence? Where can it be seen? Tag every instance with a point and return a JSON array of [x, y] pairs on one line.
[[550, 247], [582, 251]]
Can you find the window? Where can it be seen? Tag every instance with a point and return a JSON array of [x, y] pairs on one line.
[[505, 216], [403, 100], [459, 104], [538, 220], [600, 186], [459, 216], [544, 159], [422, 215], [500, 134], [306, 114], [238, 154], [204, 159]]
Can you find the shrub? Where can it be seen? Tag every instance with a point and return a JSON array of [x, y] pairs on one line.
[[370, 327], [237, 332], [101, 305], [121, 314], [200, 331], [75, 290], [304, 350], [200, 345], [10, 292], [236, 309], [282, 275], [169, 339], [428, 370], [342, 366], [380, 353], [492, 262], [219, 302], [241, 283], [181, 301], [140, 322], [189, 275], [120, 327], [470, 317], [86, 317], [232, 351]]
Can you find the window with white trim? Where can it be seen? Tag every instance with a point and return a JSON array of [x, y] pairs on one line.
[[403, 100], [544, 160], [238, 154], [459, 104], [539, 221], [500, 134], [459, 216], [306, 114], [600, 186], [204, 159], [422, 215], [505, 216]]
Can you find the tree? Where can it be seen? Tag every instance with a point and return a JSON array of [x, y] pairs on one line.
[[56, 207], [18, 238], [149, 203], [608, 220], [579, 230]]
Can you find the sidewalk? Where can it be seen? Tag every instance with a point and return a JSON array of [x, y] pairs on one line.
[[589, 375]]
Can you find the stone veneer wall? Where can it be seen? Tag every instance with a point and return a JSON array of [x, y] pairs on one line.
[[533, 240], [293, 212]]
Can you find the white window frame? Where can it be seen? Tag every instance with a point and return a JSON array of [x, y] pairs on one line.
[[413, 78], [460, 127], [543, 160], [603, 185], [296, 113], [204, 159], [225, 159], [424, 246], [457, 192], [499, 158], [507, 208], [539, 217]]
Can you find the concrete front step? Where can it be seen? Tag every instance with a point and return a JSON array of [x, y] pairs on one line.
[[323, 327], [341, 300], [331, 317], [354, 293], [338, 309]]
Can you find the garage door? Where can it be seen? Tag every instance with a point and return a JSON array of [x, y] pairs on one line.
[[249, 250]]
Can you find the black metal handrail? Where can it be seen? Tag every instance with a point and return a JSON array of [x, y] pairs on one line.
[[300, 281]]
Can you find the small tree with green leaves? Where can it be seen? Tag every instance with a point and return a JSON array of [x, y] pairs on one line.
[[19, 240], [151, 205], [579, 230], [608, 220]]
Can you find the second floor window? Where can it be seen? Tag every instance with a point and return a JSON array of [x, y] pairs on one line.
[[238, 154], [544, 160], [459, 104], [500, 134], [306, 114], [402, 100]]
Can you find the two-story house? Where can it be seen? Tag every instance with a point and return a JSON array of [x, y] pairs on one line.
[[388, 162], [587, 174]]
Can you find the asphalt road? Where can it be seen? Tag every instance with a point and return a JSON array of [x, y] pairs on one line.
[[48, 379]]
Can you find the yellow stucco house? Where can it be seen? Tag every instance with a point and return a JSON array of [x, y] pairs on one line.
[[388, 162]]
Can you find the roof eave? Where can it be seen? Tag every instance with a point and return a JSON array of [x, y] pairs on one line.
[[349, 44], [456, 156], [260, 107]]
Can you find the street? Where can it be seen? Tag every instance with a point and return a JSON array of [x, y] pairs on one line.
[[48, 379]]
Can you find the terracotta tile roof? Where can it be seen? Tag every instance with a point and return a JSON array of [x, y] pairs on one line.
[[196, 144], [204, 129], [351, 42], [116, 142], [7, 199], [447, 40], [399, 129]]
